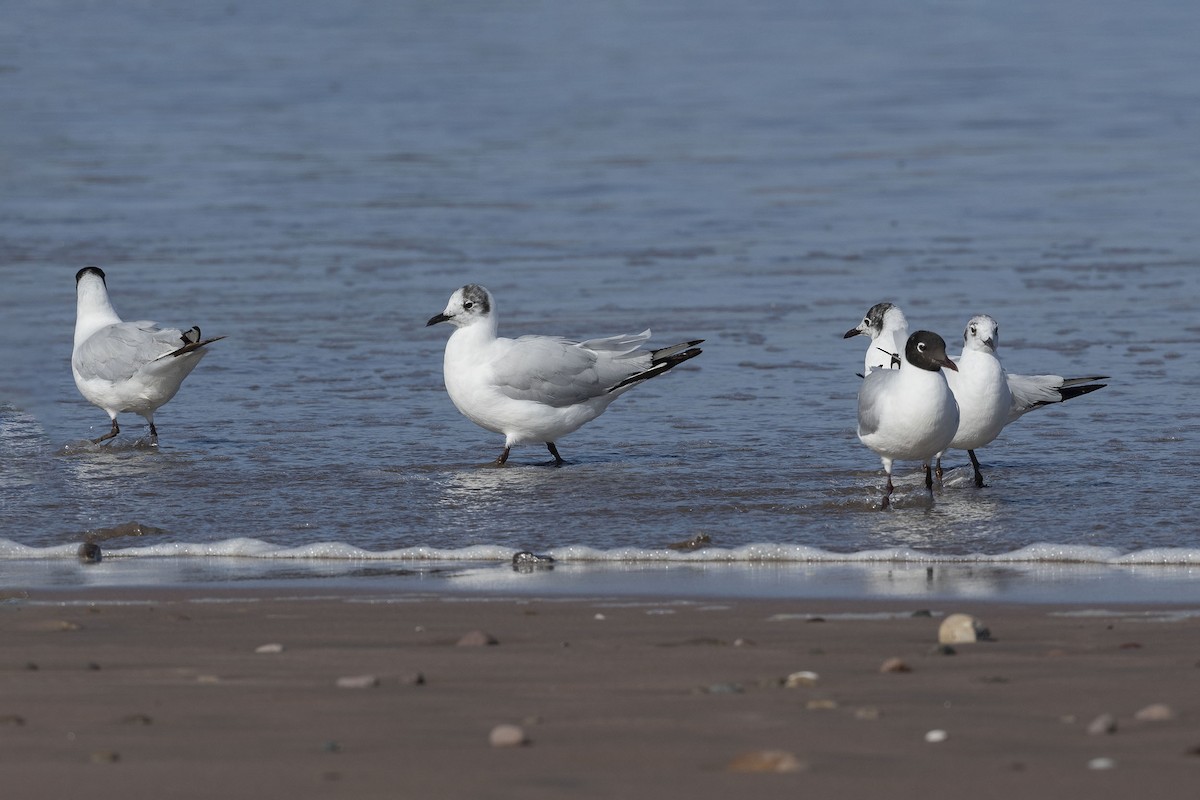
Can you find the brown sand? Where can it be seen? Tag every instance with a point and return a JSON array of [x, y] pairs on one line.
[[168, 699]]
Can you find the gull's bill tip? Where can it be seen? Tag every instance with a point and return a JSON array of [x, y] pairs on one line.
[[435, 319]]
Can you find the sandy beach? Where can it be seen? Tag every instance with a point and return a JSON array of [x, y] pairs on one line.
[[150, 693]]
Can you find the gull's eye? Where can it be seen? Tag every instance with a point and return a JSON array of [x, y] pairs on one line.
[[468, 305], [921, 346], [974, 331], [867, 322]]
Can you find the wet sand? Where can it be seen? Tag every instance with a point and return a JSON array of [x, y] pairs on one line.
[[167, 696]]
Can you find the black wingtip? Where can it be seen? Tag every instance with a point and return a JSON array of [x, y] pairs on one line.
[[1071, 392], [661, 365]]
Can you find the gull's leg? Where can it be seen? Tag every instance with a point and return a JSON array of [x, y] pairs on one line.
[[115, 430], [499, 462], [558, 460], [979, 484], [928, 478], [887, 495], [153, 431], [939, 469]]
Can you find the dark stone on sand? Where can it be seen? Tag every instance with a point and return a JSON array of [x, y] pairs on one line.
[[478, 638], [1103, 724], [89, 553], [413, 679], [16, 720], [137, 719], [105, 757], [895, 665], [92, 666], [922, 612], [942, 650]]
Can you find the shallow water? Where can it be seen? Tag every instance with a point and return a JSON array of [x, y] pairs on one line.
[[313, 181]]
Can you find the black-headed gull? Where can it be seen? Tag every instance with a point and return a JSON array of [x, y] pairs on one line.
[[539, 388], [980, 396], [127, 366], [886, 325], [909, 414]]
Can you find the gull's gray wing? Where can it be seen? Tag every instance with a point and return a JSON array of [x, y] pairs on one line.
[[869, 399], [1034, 391], [560, 373], [116, 352]]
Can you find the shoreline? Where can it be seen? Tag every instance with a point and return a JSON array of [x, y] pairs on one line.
[[127, 692], [1038, 583]]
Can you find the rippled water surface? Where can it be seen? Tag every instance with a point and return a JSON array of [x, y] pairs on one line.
[[312, 180]]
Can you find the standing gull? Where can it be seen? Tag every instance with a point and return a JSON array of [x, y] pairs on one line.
[[909, 413], [980, 395], [127, 366], [539, 388], [887, 327], [989, 398]]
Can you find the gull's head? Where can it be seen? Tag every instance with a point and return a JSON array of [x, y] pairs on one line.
[[982, 333], [880, 317], [926, 350], [88, 275], [467, 305]]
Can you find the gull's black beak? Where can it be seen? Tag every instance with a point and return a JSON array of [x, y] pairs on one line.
[[435, 319], [852, 332], [948, 364]]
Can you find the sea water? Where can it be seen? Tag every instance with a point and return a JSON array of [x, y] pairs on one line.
[[313, 180]]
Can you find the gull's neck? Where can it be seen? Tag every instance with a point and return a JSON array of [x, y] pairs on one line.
[[93, 310]]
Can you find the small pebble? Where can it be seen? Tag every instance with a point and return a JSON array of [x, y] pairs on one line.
[[477, 639], [723, 688], [821, 705], [961, 629], [12, 719], [89, 553], [273, 647], [802, 678], [867, 713], [1101, 763], [136, 719], [942, 650], [357, 682], [895, 665], [92, 666], [922, 612], [413, 679], [766, 761], [507, 735], [1101, 725], [599, 616], [332, 747], [105, 757], [740, 642], [1156, 712], [935, 736]]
